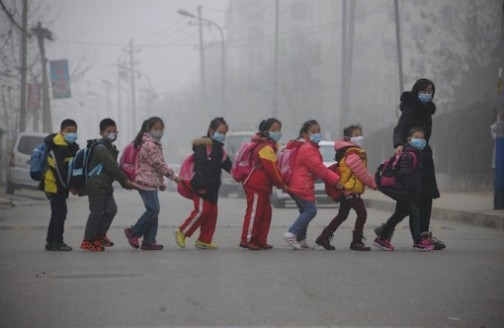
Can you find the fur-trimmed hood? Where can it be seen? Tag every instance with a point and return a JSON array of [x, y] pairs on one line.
[[202, 141]]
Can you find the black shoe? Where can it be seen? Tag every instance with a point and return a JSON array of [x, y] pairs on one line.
[[58, 247], [438, 244]]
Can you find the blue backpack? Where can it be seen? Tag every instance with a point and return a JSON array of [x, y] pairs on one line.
[[38, 162], [78, 167]]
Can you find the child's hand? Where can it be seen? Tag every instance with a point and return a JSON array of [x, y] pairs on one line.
[[285, 189], [128, 184], [73, 191], [339, 186], [201, 191], [176, 179], [162, 187], [399, 150]]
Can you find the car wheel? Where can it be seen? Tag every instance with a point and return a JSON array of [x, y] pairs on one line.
[[9, 190]]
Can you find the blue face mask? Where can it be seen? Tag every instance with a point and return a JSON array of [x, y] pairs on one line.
[[70, 137], [315, 137], [424, 97], [217, 136], [418, 143], [276, 136]]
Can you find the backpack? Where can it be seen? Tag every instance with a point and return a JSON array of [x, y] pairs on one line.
[[78, 167], [287, 159], [38, 162], [386, 174], [129, 160], [243, 162], [331, 190], [187, 173]]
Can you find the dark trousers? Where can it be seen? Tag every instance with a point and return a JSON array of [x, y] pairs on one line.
[[425, 208], [102, 210], [346, 205], [58, 216], [402, 210]]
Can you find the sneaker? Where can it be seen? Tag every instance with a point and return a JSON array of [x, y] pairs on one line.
[[378, 231], [290, 239], [423, 246], [201, 244], [151, 247], [438, 244], [58, 247], [89, 245], [266, 246], [179, 238], [304, 244], [132, 239], [104, 241], [383, 244]]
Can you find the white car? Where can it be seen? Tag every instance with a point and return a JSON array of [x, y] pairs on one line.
[[278, 197], [18, 175]]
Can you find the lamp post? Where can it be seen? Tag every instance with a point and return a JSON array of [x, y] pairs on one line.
[[223, 50]]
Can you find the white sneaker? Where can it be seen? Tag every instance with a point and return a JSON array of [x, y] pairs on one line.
[[304, 244], [290, 239]]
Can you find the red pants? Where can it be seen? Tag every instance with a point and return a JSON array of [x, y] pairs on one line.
[[204, 215], [257, 218]]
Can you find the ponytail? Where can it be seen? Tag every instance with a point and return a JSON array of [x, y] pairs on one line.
[[146, 126]]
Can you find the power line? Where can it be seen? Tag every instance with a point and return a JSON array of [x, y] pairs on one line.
[[251, 16]]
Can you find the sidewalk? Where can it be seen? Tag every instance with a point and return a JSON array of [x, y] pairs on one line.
[[469, 208]]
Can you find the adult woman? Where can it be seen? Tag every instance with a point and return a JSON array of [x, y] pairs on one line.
[[417, 109]]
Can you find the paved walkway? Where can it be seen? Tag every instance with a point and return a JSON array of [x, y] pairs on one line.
[[470, 208]]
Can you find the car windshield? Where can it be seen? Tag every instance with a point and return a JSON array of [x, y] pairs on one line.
[[28, 143], [327, 152]]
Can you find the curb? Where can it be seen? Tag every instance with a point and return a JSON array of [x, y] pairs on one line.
[[480, 219]]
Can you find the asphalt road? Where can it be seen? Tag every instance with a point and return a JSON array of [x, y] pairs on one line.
[[462, 286]]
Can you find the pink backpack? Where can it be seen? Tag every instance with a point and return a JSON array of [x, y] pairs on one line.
[[287, 159], [243, 163], [187, 172], [129, 160]]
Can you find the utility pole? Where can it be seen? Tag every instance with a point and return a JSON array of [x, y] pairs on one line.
[[119, 112], [23, 71], [499, 141], [275, 63], [43, 33], [202, 52], [344, 44], [399, 46], [131, 52], [36, 112]]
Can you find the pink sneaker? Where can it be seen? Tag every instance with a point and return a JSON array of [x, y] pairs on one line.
[[423, 246], [383, 244], [132, 239]]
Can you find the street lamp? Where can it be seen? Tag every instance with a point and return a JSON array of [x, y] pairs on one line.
[[223, 50]]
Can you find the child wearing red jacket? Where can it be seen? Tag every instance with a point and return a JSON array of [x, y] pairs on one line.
[[352, 165], [308, 167], [259, 184]]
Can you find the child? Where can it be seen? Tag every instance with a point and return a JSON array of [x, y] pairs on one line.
[[61, 148], [149, 178], [259, 184], [205, 184], [307, 168], [99, 189], [407, 191], [352, 165]]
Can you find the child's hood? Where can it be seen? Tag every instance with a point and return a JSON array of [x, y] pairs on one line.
[[202, 141]]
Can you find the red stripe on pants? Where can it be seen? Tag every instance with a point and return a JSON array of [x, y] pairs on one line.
[[257, 220], [204, 215]]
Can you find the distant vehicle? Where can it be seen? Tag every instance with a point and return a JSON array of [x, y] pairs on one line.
[[279, 198], [18, 175], [234, 139]]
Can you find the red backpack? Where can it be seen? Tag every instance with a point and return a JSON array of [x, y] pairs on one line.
[[287, 159], [129, 160], [331, 190], [243, 162], [187, 172]]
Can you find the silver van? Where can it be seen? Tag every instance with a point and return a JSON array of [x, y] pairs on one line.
[[18, 175]]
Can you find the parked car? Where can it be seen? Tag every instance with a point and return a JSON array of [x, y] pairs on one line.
[[234, 139], [279, 198], [18, 175]]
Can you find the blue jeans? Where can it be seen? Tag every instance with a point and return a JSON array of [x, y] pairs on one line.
[[307, 211], [147, 224]]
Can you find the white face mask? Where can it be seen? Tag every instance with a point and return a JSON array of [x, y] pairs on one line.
[[359, 141]]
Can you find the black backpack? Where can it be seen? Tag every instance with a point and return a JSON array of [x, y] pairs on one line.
[[386, 174], [78, 167]]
